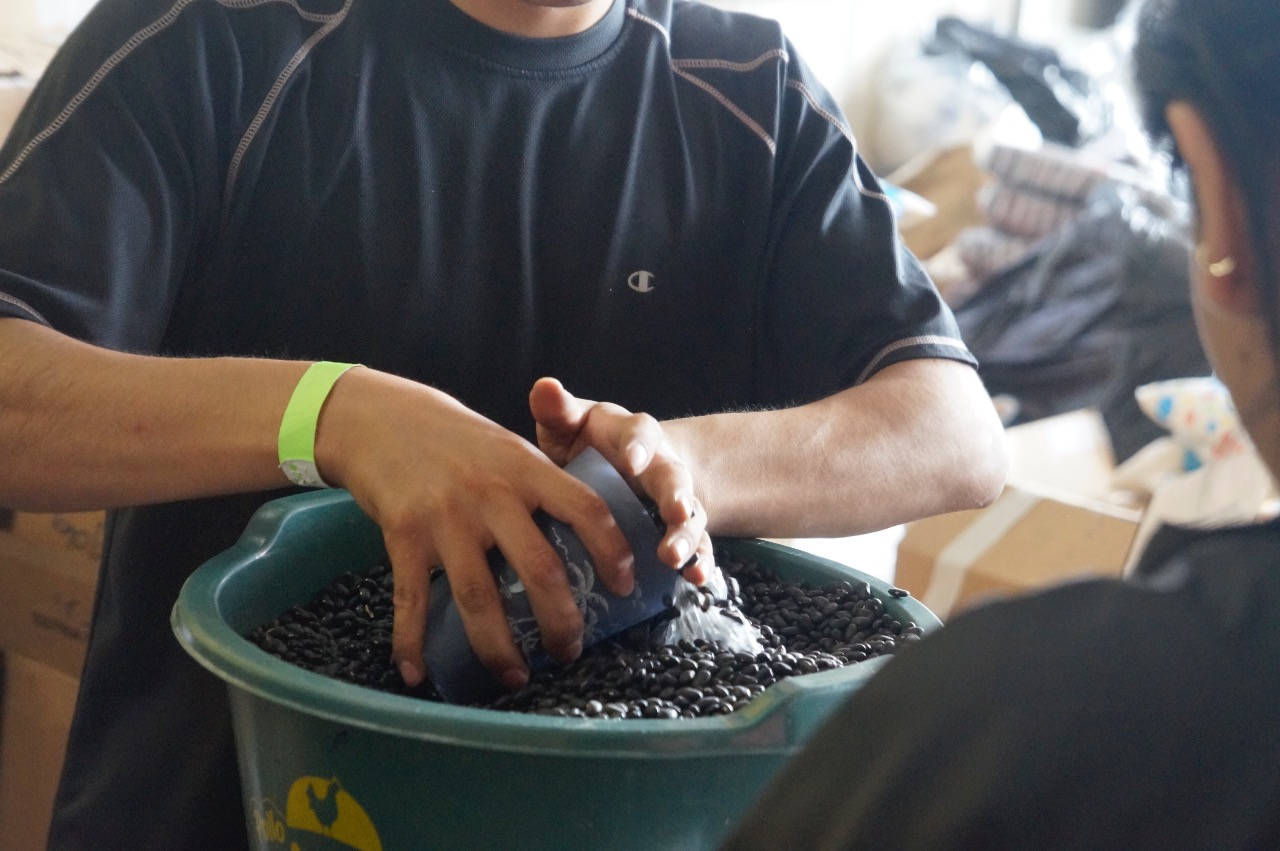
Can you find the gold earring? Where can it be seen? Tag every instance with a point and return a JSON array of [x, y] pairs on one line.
[[1216, 268]]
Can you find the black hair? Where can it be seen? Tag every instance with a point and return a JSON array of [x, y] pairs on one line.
[[1223, 58]]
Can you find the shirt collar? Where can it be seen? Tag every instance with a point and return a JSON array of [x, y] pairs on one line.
[[460, 31]]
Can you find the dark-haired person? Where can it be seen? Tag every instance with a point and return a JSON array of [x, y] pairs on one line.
[[654, 202], [1106, 714]]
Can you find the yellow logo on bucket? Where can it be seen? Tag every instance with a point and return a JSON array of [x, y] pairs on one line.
[[319, 814]]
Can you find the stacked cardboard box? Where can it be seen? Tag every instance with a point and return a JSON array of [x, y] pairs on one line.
[[1056, 520], [13, 94], [48, 577], [22, 60]]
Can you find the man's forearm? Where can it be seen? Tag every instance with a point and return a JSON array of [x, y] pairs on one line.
[[83, 427], [920, 438]]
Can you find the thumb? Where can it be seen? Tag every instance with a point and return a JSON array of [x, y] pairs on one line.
[[559, 417]]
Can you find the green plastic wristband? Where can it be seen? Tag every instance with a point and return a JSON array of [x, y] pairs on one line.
[[298, 426]]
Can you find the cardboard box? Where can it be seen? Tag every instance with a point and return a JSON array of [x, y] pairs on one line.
[[1021, 542], [1068, 455], [13, 94], [48, 578], [48, 593], [38, 703], [950, 179], [75, 533], [1055, 521]]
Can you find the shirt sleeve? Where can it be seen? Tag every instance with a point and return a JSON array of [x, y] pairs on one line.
[[841, 289], [104, 195]]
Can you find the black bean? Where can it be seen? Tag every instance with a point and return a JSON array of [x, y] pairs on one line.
[[345, 633], [782, 669]]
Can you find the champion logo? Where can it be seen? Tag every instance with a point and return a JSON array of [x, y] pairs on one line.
[[641, 282]]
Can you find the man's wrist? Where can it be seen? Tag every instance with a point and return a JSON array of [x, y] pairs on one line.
[[297, 437]]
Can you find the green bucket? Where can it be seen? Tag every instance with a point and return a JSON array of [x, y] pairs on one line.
[[329, 765]]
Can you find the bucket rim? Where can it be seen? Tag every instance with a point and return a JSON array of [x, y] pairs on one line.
[[765, 725]]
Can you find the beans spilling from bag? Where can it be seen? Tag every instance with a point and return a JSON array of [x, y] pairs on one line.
[[344, 633]]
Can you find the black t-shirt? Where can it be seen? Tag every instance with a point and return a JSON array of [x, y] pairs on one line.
[[1102, 714], [666, 211]]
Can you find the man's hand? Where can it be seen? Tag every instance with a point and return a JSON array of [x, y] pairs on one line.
[[637, 448], [445, 485]]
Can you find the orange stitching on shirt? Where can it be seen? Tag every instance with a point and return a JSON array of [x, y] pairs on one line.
[[113, 60], [925, 340], [158, 25], [846, 132], [731, 106], [725, 64], [678, 66], [233, 170], [22, 305]]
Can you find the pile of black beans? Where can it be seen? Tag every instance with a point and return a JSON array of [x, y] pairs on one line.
[[344, 632]]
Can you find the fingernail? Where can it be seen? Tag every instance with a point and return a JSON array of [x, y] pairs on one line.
[[515, 678], [574, 651], [409, 673], [627, 575], [682, 550], [636, 456]]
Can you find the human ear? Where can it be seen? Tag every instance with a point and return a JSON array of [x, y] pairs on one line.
[[1224, 254]]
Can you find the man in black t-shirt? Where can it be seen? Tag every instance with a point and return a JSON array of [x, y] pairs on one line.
[[652, 201]]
